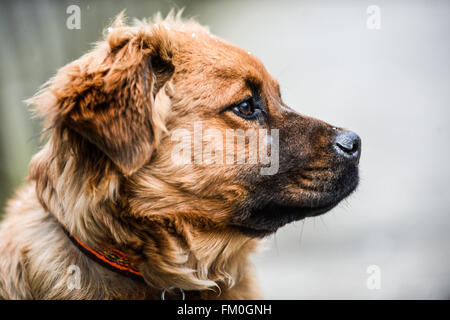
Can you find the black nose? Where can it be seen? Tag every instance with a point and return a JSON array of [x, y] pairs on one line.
[[348, 145]]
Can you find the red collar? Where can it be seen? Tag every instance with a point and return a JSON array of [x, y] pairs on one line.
[[113, 259]]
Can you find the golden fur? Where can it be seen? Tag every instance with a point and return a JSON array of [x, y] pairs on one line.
[[106, 175], [84, 197]]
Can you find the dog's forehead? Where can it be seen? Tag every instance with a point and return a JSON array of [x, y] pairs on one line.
[[203, 53]]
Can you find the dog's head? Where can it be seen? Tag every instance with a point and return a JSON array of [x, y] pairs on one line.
[[195, 127]]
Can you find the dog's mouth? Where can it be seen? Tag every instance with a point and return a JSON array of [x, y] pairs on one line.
[[267, 218]]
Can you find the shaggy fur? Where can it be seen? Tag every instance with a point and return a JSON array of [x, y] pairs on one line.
[[106, 175]]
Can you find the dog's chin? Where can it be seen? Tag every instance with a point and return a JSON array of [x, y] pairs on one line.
[[265, 220]]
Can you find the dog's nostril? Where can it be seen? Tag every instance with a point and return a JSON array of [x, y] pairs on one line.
[[348, 144]]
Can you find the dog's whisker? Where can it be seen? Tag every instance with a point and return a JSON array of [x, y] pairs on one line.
[[323, 221], [301, 231]]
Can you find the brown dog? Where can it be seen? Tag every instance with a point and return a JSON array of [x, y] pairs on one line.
[[116, 207]]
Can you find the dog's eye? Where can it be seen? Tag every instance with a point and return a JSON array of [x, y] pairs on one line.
[[247, 109]]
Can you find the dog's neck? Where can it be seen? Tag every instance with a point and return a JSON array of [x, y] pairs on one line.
[[110, 258], [168, 253]]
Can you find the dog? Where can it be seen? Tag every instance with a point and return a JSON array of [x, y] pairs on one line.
[[118, 207]]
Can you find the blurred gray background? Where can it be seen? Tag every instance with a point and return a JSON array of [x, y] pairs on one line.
[[390, 85]]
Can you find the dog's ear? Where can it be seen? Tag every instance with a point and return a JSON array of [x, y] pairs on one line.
[[116, 95]]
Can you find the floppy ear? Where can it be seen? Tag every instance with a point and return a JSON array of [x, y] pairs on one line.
[[115, 96]]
